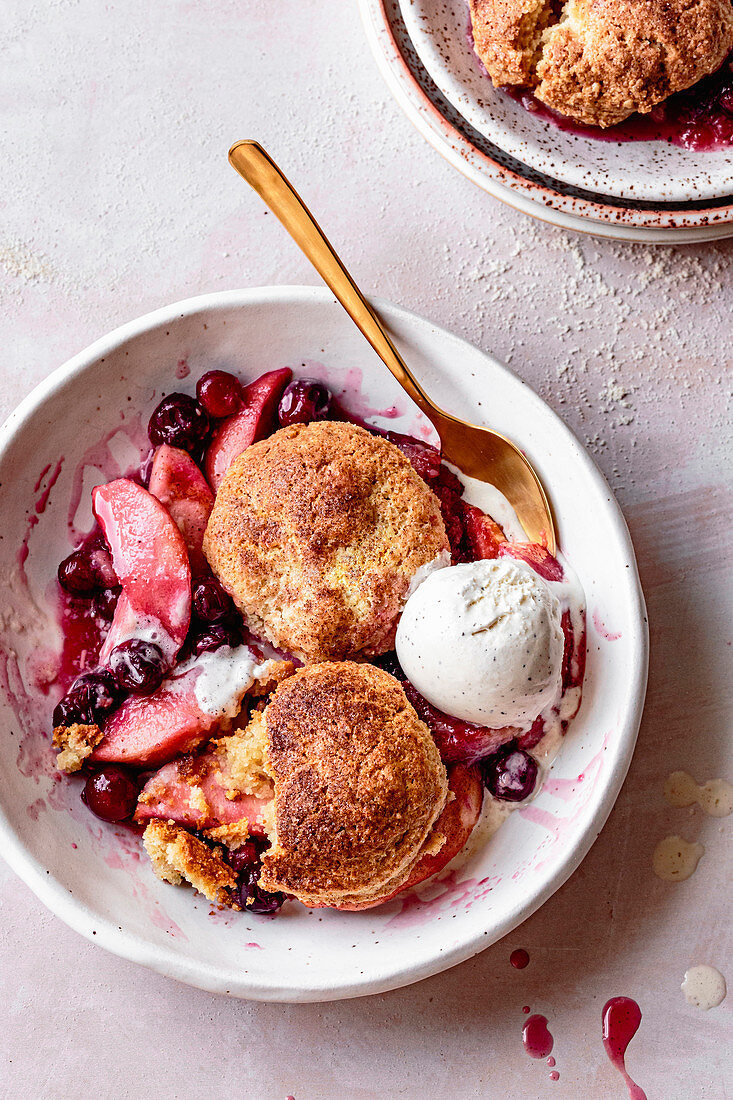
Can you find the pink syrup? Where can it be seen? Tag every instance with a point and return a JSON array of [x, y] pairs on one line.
[[621, 1019], [602, 630], [519, 958], [700, 118], [538, 1042]]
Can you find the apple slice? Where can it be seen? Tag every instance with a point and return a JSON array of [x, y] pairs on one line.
[[454, 826], [539, 557], [255, 420], [483, 534], [151, 563], [177, 482], [193, 792], [201, 695], [149, 730]]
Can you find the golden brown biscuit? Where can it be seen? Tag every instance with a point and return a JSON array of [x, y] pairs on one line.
[[317, 532], [176, 855], [598, 61], [358, 781]]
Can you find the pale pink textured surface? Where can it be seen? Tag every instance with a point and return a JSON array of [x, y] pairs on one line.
[[117, 198]]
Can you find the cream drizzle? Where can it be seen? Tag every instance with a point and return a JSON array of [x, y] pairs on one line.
[[675, 859], [704, 987], [714, 797]]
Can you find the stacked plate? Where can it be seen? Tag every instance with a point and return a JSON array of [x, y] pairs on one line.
[[628, 190]]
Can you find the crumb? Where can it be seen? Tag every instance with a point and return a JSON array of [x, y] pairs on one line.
[[176, 855], [75, 743]]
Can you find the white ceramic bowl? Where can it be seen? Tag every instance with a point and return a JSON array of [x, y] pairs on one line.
[[91, 874], [649, 170]]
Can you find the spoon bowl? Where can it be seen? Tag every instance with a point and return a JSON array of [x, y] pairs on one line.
[[478, 452]]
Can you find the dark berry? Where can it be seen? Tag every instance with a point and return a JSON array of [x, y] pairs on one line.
[[87, 570], [246, 857], [220, 393], [215, 636], [390, 664], [302, 401], [510, 775], [211, 604], [138, 666], [111, 793], [180, 421], [89, 700], [105, 602], [254, 899]]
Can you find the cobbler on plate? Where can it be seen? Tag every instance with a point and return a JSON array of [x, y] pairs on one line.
[[600, 61], [297, 660]]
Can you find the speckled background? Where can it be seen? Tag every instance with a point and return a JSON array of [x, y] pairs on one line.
[[116, 198]]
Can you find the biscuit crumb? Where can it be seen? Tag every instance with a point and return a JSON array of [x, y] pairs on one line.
[[75, 743], [176, 855]]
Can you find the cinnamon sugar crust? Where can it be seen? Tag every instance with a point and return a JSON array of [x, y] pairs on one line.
[[598, 61], [316, 533], [358, 781], [177, 854]]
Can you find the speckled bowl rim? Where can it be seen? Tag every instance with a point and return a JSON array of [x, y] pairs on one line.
[[106, 932], [613, 169], [507, 179]]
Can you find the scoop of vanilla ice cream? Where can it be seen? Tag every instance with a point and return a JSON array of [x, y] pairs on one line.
[[483, 642]]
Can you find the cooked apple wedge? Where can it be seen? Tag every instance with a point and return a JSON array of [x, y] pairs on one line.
[[151, 562], [177, 482], [253, 422]]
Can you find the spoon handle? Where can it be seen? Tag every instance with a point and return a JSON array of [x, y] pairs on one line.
[[261, 173]]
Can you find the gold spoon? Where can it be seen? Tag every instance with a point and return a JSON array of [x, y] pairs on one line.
[[478, 452]]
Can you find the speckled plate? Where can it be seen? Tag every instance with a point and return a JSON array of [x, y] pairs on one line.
[[84, 424], [509, 179], [654, 171]]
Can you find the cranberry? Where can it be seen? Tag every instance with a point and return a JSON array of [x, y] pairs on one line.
[[87, 570], [105, 602], [111, 793], [215, 636], [89, 700], [220, 393], [304, 400], [211, 604], [138, 666], [510, 775], [254, 899], [245, 858], [180, 421]]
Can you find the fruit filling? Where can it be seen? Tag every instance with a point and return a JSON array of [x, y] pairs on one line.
[[186, 714]]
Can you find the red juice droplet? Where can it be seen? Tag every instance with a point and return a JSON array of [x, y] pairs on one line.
[[525, 1010], [621, 1019], [519, 958], [554, 1076], [551, 1062], [536, 1038]]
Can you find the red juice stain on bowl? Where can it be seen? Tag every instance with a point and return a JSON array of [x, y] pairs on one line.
[[519, 958], [621, 1019], [536, 1038]]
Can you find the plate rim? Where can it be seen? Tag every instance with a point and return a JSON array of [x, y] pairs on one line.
[[104, 932]]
